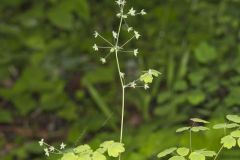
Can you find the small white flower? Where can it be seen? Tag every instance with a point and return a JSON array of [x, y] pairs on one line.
[[135, 52], [62, 146], [121, 2], [133, 84], [114, 34], [130, 29], [95, 47], [143, 12], [132, 12], [146, 86], [51, 148], [46, 152], [137, 35], [41, 142], [96, 34], [119, 14], [122, 74], [103, 60]]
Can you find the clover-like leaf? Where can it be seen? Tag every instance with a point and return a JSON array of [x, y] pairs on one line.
[[182, 129], [69, 156], [236, 134], [183, 151], [177, 158], [233, 118], [166, 152], [196, 156], [228, 142], [199, 128], [198, 120]]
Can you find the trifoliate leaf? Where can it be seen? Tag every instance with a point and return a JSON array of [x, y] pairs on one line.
[[199, 128], [69, 156], [86, 149], [198, 120], [236, 134], [177, 158], [183, 151], [233, 118], [196, 156], [98, 156], [228, 142], [166, 152], [182, 129]]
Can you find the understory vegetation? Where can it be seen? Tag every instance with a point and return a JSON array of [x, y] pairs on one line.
[[53, 88]]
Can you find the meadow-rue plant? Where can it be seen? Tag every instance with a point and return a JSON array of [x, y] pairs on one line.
[[230, 140], [111, 148]]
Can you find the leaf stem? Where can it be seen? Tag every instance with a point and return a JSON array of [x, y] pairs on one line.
[[218, 153]]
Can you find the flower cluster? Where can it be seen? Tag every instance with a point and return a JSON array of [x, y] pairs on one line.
[[48, 149]]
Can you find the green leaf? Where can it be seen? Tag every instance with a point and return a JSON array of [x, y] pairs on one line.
[[198, 120], [146, 78], [166, 152], [199, 128], [183, 151], [225, 125], [196, 156], [177, 158], [236, 134], [86, 149], [205, 53], [207, 153], [196, 97], [98, 156], [182, 129], [228, 142], [233, 118], [114, 148], [69, 156]]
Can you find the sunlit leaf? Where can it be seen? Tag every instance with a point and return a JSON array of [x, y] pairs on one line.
[[166, 152], [182, 129], [233, 118], [196, 156], [199, 128], [177, 158], [198, 120], [228, 142], [69, 156], [183, 151], [236, 134]]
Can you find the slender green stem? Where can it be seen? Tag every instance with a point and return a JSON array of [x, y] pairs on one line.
[[121, 78], [220, 150]]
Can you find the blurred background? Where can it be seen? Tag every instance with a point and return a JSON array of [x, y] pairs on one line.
[[53, 86]]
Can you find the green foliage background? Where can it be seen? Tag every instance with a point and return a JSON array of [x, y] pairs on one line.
[[52, 85]]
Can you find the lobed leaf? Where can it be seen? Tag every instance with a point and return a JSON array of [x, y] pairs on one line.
[[183, 151], [199, 128], [177, 158], [228, 142], [182, 129], [196, 156], [236, 134]]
